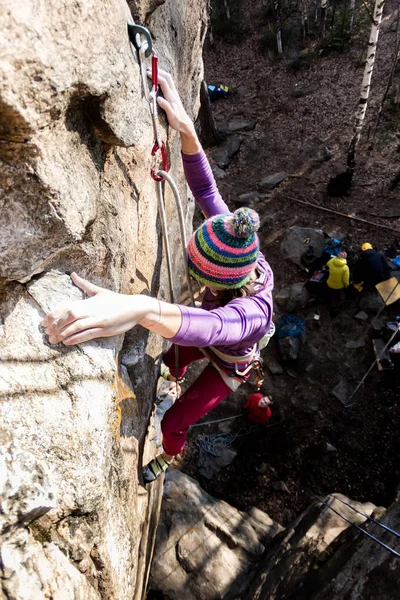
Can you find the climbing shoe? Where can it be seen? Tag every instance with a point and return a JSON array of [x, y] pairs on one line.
[[155, 468]]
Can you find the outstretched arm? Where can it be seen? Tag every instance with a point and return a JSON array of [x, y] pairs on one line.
[[107, 313], [195, 163]]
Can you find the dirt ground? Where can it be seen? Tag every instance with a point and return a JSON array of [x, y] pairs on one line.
[[363, 462]]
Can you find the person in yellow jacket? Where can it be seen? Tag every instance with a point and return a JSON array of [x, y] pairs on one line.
[[339, 279], [339, 273]]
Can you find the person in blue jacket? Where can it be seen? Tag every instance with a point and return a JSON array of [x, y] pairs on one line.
[[370, 269]]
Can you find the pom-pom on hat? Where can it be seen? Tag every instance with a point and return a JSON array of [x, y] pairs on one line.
[[223, 251]]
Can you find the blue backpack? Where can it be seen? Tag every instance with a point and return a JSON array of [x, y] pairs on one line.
[[333, 247]]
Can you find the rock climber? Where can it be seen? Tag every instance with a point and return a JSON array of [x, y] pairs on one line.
[[338, 279], [236, 309], [258, 409], [370, 269]]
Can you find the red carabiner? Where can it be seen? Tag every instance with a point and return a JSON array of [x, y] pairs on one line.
[[164, 160], [154, 71]]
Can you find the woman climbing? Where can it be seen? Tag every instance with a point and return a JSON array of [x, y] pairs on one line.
[[236, 309]]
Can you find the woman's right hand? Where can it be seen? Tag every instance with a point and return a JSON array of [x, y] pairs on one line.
[[103, 314], [172, 104]]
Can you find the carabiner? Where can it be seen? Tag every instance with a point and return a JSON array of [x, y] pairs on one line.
[[154, 72], [134, 33], [164, 159]]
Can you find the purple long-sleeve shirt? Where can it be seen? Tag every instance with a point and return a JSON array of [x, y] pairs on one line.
[[237, 326]]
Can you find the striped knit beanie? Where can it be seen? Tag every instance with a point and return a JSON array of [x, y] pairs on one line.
[[223, 251]]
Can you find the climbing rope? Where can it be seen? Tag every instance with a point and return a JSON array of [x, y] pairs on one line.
[[215, 444], [367, 517], [372, 537], [217, 421], [290, 325]]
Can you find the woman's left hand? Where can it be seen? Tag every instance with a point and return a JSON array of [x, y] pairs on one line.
[[104, 314]]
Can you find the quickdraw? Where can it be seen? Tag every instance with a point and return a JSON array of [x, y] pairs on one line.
[[141, 40]]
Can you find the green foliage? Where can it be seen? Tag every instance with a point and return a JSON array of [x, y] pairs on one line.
[[222, 27]]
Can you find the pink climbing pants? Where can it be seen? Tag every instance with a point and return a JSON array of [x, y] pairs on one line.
[[203, 395]]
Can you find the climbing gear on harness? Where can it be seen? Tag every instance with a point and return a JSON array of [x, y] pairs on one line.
[[253, 360], [155, 468]]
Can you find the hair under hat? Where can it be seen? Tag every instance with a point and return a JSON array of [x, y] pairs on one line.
[[223, 251]]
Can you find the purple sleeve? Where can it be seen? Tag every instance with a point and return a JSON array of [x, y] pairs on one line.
[[241, 323], [202, 184]]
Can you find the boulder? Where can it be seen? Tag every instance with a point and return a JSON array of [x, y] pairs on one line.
[[205, 548], [340, 391], [299, 92], [289, 348], [218, 172], [315, 151], [299, 566], [299, 239], [298, 297], [271, 181], [222, 156], [239, 123], [371, 302], [248, 199]]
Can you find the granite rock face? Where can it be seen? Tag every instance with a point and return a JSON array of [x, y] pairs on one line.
[[76, 194], [206, 548]]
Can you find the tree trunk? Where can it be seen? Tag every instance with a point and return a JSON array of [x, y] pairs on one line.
[[352, 11], [366, 83], [227, 11], [278, 26], [343, 23], [396, 61], [209, 134], [324, 8], [304, 18]]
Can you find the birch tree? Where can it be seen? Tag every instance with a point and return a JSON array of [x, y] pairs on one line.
[[366, 83], [277, 10], [227, 11], [352, 11], [304, 18], [396, 62], [322, 16]]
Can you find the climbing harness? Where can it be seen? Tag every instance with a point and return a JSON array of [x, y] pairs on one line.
[[372, 537], [252, 359]]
